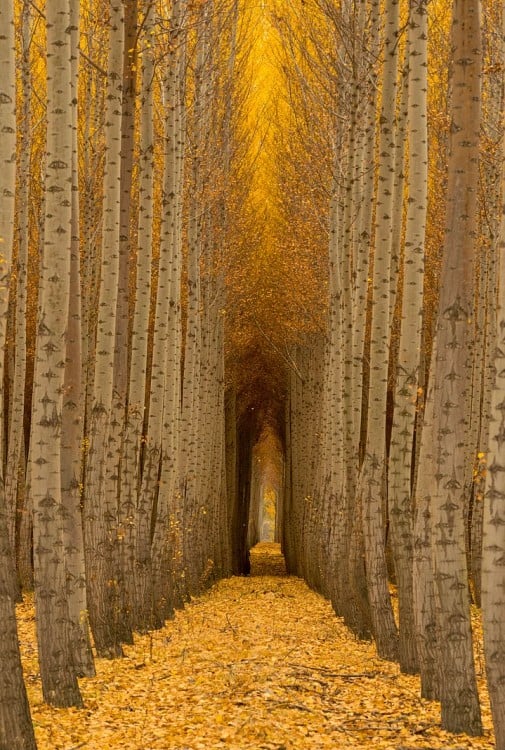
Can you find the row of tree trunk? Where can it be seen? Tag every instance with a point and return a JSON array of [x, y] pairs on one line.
[[388, 414], [128, 477], [124, 455]]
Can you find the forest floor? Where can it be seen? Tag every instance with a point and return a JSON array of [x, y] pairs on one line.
[[256, 663]]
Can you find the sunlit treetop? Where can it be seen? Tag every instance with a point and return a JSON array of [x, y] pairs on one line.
[[276, 288]]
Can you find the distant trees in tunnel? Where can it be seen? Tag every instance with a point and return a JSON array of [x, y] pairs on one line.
[[251, 258], [267, 488]]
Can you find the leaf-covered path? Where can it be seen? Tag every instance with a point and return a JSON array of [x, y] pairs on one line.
[[258, 663]]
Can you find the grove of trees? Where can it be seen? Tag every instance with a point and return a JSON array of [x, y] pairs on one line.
[[244, 248]]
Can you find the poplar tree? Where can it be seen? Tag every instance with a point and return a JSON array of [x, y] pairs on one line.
[[401, 509], [54, 521], [372, 478], [443, 457], [131, 462], [493, 542], [15, 471], [100, 499], [16, 731], [158, 544]]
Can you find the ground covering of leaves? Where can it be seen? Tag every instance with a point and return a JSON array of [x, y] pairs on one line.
[[257, 663]]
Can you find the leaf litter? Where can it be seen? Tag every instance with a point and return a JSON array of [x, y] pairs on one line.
[[256, 663]]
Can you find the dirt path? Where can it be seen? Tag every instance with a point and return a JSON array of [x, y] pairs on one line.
[[257, 663]]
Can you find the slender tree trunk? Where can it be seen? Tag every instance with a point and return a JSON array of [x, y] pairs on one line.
[[350, 258], [493, 91], [126, 510], [159, 558], [493, 542], [7, 214], [54, 521], [16, 464], [93, 157], [493, 555], [101, 501], [344, 578], [231, 449], [168, 554], [132, 454], [16, 731], [408, 366], [73, 408], [354, 446], [370, 489], [128, 95], [443, 450], [490, 334], [191, 418]]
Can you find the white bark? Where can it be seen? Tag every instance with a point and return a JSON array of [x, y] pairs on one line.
[[443, 456], [101, 512], [134, 434], [7, 198], [493, 543], [16, 465], [52, 524], [73, 406], [409, 354], [16, 731], [162, 432], [371, 482]]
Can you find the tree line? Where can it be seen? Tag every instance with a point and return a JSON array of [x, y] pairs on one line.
[[118, 488], [394, 430]]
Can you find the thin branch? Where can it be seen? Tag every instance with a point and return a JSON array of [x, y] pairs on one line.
[[93, 64], [287, 358]]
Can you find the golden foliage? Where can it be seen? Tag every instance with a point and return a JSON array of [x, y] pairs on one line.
[[255, 663], [276, 275]]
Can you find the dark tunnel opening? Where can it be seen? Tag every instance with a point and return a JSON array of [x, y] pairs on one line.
[[255, 449]]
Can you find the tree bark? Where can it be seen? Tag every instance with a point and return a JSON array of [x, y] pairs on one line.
[[408, 365], [443, 450], [16, 461], [493, 542], [371, 482], [158, 525], [131, 462], [101, 501], [54, 522], [16, 731]]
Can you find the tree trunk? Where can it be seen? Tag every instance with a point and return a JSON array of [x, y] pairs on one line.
[[370, 488], [493, 542], [163, 498], [121, 341], [16, 463], [101, 501], [16, 731], [492, 131], [54, 523], [408, 365], [493, 554], [191, 409], [131, 463], [443, 450], [73, 410], [7, 214]]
